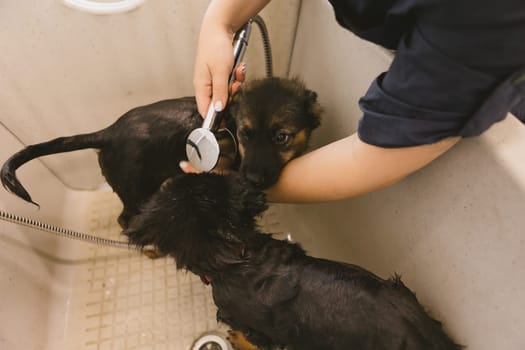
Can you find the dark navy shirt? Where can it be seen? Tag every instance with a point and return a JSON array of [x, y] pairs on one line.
[[459, 67]]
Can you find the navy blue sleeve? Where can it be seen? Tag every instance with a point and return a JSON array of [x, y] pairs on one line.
[[426, 96], [455, 72]]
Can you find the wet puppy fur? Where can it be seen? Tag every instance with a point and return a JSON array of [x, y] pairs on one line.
[[269, 289], [272, 118]]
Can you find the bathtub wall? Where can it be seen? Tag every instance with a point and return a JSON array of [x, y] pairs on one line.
[[454, 231], [37, 269]]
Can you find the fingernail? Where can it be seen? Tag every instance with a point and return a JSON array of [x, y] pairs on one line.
[[243, 69], [183, 164], [218, 106]]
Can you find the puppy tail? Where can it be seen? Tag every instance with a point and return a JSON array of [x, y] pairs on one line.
[[59, 145]]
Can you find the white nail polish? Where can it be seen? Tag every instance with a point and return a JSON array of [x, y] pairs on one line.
[[218, 106]]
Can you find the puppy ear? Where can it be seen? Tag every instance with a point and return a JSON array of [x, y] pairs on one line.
[[313, 108], [311, 96]]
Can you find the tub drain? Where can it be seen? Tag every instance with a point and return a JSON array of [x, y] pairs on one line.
[[211, 341]]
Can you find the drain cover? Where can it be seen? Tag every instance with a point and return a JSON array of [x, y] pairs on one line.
[[211, 341], [211, 346]]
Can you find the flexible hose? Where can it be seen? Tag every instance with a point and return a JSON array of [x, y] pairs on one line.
[[266, 44], [62, 232]]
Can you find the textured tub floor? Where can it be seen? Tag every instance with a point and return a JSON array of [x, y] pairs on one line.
[[124, 300]]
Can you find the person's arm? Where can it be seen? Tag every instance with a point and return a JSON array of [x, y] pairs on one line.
[[214, 58], [350, 167]]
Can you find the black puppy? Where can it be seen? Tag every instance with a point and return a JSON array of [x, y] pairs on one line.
[[144, 146], [270, 290]]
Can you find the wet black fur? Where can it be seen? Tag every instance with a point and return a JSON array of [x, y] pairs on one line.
[[270, 289], [144, 146]]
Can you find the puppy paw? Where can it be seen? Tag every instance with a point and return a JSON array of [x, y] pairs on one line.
[[239, 342], [153, 253]]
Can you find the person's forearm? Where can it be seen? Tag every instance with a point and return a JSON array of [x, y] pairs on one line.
[[232, 14], [350, 167]]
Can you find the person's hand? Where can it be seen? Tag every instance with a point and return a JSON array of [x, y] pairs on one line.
[[240, 76], [189, 169], [213, 65], [206, 82], [214, 58]]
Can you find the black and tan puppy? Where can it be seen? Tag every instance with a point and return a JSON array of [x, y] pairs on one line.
[[274, 120], [144, 146], [270, 290]]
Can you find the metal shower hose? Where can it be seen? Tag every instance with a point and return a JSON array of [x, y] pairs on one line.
[[62, 232]]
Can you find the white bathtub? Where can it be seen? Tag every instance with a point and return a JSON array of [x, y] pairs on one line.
[[454, 231]]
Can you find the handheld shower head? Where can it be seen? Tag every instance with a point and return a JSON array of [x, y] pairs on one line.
[[202, 148]]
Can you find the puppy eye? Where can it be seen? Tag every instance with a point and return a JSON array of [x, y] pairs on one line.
[[281, 138]]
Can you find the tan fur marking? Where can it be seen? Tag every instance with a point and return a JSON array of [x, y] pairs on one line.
[[239, 342], [246, 123], [241, 148], [300, 140], [287, 155], [298, 146]]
